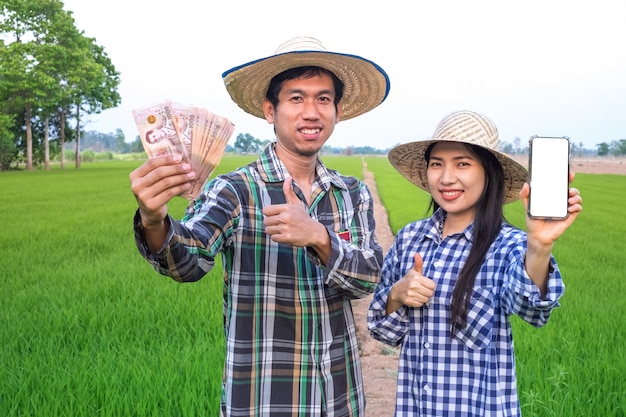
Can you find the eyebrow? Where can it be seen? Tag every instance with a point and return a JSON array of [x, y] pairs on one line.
[[456, 158], [303, 92]]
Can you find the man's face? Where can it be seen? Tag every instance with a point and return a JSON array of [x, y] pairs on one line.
[[155, 136], [305, 116]]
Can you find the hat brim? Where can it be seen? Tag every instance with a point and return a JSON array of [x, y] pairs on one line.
[[409, 159], [366, 85]]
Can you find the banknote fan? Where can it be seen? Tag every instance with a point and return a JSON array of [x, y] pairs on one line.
[[196, 134]]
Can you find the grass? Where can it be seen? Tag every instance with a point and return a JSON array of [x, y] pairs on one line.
[[88, 328]]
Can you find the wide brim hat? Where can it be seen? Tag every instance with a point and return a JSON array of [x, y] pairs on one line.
[[464, 126], [366, 84]]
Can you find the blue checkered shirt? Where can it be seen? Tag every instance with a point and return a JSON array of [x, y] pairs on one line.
[[472, 374]]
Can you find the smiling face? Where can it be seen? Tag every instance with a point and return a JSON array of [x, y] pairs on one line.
[[456, 179], [305, 115]]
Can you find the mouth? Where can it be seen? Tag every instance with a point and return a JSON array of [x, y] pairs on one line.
[[450, 194], [310, 131]]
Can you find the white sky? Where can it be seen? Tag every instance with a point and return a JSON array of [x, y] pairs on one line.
[[535, 67]]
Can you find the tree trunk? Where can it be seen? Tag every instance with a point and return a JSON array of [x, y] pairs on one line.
[[77, 137], [29, 140], [46, 144], [62, 121]]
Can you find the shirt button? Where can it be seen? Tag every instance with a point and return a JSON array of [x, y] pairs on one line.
[[426, 345], [426, 387], [438, 264]]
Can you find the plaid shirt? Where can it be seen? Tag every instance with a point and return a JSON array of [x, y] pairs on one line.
[[472, 374], [291, 347]]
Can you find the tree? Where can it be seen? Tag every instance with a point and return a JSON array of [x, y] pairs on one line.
[[518, 144], [94, 88], [8, 149], [618, 147], [246, 143], [50, 69], [603, 149], [28, 82]]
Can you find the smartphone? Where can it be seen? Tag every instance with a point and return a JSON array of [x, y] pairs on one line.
[[548, 167]]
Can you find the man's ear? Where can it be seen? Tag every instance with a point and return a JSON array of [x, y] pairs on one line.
[[268, 111], [338, 117]]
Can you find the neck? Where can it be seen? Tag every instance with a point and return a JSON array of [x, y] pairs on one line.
[[456, 223], [301, 167]]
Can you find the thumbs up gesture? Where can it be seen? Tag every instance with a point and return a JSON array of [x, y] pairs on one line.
[[412, 290], [290, 223]]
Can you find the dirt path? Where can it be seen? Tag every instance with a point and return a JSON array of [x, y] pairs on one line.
[[379, 361]]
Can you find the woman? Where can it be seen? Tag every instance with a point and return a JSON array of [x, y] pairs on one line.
[[451, 282]]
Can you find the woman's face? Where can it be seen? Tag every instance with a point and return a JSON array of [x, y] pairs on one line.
[[456, 179]]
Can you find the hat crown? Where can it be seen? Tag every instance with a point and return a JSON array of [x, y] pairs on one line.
[[301, 43], [469, 127]]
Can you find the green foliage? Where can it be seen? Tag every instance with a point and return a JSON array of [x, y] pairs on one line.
[[8, 150], [49, 71]]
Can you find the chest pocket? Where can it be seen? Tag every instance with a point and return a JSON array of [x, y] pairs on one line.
[[335, 210], [478, 332]]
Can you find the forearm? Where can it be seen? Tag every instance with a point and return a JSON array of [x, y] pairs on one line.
[[392, 306], [155, 235], [320, 242], [537, 264]]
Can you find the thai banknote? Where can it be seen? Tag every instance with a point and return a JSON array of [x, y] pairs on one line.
[[195, 133]]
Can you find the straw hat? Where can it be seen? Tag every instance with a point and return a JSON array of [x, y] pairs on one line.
[[466, 127], [366, 85]]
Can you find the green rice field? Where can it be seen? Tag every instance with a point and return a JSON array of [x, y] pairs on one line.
[[88, 328]]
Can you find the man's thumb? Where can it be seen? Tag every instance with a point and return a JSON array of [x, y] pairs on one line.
[[290, 195], [418, 263]]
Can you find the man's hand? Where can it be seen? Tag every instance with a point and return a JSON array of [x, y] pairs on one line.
[[290, 223], [155, 183]]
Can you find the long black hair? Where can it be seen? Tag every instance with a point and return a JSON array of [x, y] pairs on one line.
[[487, 223]]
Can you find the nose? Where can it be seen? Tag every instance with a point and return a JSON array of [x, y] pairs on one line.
[[310, 110], [448, 174]]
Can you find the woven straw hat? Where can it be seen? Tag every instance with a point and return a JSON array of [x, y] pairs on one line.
[[366, 85], [466, 127]]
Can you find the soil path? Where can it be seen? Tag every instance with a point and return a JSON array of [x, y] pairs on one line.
[[379, 361]]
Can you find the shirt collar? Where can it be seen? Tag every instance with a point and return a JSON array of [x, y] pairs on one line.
[[272, 169], [435, 224]]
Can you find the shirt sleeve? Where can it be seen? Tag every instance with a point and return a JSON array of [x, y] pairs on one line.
[[192, 243], [354, 265], [522, 297], [391, 328]]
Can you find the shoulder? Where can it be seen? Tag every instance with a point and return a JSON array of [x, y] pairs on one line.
[[418, 227], [508, 231]]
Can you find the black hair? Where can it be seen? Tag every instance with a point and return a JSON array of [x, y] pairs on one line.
[[487, 223], [276, 83]]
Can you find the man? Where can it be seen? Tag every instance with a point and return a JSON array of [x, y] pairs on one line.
[[296, 238]]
